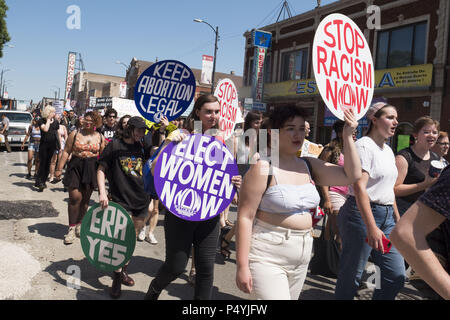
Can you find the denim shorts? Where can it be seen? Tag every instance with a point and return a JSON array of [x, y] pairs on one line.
[[33, 146]]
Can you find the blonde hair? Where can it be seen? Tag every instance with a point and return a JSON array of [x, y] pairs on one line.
[[47, 110]]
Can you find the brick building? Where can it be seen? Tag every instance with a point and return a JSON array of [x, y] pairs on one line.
[[410, 54], [89, 84]]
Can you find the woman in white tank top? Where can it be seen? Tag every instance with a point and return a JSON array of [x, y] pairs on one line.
[[274, 239]]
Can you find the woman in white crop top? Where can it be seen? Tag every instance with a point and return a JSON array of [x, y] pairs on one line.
[[273, 238]]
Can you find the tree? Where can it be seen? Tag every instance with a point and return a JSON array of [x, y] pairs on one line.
[[4, 35]]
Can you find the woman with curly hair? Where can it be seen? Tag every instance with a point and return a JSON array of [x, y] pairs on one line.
[[85, 145]]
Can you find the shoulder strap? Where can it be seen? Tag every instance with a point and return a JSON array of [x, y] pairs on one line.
[[308, 164]]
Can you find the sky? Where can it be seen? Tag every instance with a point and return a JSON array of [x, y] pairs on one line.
[[112, 30]]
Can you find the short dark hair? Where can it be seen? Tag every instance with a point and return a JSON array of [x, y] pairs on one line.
[[277, 117], [110, 111]]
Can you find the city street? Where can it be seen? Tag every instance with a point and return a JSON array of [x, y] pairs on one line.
[[35, 264]]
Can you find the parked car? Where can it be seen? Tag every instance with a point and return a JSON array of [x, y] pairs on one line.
[[19, 121]]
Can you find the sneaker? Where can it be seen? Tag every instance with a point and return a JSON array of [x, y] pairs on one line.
[[151, 238], [70, 237], [141, 235], [28, 176], [78, 230]]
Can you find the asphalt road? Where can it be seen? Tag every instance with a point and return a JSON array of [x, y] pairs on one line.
[[36, 265]]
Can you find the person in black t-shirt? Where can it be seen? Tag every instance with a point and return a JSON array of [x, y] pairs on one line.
[[121, 163], [49, 143], [110, 127]]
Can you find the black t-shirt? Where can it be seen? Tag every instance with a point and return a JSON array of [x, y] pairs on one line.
[[123, 163], [108, 132], [49, 136], [417, 169]]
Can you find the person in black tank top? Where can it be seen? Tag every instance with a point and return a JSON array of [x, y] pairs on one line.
[[413, 164]]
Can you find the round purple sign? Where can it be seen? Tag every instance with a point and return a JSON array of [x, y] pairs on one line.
[[193, 177]]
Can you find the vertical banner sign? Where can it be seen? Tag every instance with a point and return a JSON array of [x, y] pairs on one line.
[[69, 76], [108, 237], [123, 89], [207, 69], [261, 41], [343, 66], [193, 177], [227, 94], [166, 88]]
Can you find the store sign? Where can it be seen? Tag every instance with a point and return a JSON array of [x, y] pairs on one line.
[[343, 66], [166, 88], [227, 94], [386, 79], [406, 77], [70, 75], [258, 80], [193, 177], [108, 237], [261, 42]]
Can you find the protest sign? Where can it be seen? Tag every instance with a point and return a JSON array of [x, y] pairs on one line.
[[310, 149], [227, 94], [108, 237], [193, 177], [166, 88], [343, 66]]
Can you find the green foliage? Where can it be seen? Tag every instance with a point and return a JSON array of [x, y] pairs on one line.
[[4, 35]]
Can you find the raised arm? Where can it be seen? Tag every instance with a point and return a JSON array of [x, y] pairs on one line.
[[327, 174]]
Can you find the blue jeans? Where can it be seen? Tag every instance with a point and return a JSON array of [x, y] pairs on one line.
[[356, 252]]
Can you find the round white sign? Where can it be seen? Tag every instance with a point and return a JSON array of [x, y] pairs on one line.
[[343, 66], [227, 94]]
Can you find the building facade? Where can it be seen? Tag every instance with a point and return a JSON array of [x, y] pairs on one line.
[[409, 49], [88, 84]]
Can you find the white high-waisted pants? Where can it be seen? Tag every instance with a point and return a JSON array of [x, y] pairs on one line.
[[278, 261]]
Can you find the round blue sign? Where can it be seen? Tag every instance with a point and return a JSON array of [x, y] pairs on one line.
[[166, 88], [193, 177]]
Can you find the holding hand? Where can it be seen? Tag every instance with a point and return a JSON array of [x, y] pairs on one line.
[[103, 200], [350, 122]]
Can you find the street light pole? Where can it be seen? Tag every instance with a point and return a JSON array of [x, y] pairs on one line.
[[216, 32]]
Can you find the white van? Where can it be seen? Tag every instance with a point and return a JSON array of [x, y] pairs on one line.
[[19, 121]]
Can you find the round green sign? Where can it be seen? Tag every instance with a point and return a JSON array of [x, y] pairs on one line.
[[108, 237]]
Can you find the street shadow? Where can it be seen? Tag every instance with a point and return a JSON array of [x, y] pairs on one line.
[[19, 164], [19, 175], [49, 230], [316, 294], [29, 184], [321, 279], [317, 285], [88, 274]]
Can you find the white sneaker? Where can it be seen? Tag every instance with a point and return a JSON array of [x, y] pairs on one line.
[[70, 237], [151, 238], [141, 235]]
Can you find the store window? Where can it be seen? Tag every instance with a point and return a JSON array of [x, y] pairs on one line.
[[401, 47], [294, 64]]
